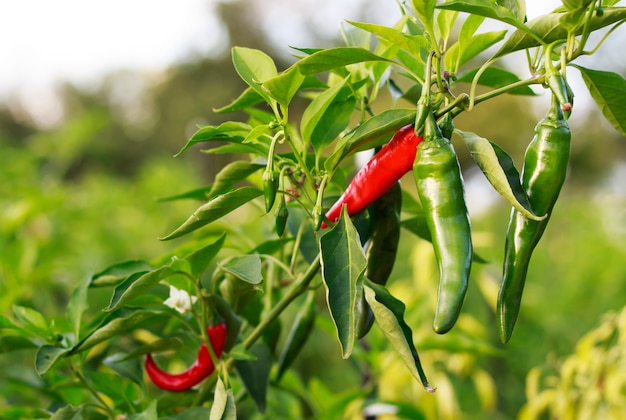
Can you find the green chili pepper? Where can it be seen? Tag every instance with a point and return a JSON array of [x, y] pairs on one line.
[[298, 335], [441, 191], [381, 248], [543, 174], [281, 216], [270, 186]]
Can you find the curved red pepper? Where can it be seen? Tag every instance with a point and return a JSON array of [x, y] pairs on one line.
[[201, 368], [379, 174]]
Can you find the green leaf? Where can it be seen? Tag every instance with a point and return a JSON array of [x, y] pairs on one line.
[[223, 407], [458, 55], [77, 305], [334, 120], [373, 132], [231, 174], [255, 375], [10, 342], [316, 109], [550, 29], [215, 209], [47, 356], [136, 285], [608, 90], [150, 413], [414, 44], [227, 131], [333, 58], [199, 260], [425, 11], [115, 273], [69, 412], [245, 267], [7, 323], [418, 226], [111, 328], [343, 264], [389, 314], [284, 86], [500, 171], [496, 77], [517, 7], [32, 320], [486, 8], [248, 98], [254, 67]]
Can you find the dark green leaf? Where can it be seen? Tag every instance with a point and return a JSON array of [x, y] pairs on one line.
[[15, 343], [333, 58], [549, 29], [500, 171], [116, 273], [343, 264], [608, 90], [69, 412], [418, 226], [248, 98], [227, 131], [334, 120], [47, 356], [200, 259], [215, 209], [496, 77], [136, 285], [245, 267], [112, 328], [486, 8], [389, 313], [231, 174], [255, 375]]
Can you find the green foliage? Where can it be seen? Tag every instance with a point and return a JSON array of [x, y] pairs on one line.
[[234, 265]]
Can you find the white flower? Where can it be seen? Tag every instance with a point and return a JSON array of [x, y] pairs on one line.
[[180, 300]]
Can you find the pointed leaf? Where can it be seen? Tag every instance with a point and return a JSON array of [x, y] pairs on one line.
[[517, 7], [245, 267], [500, 171], [136, 285], [114, 274], [199, 260], [255, 374], [231, 174], [215, 209], [284, 86], [425, 11], [223, 407], [77, 305], [227, 131], [111, 328], [608, 90], [254, 67], [32, 320], [334, 120], [389, 314], [248, 98], [476, 45], [414, 44], [69, 412], [550, 29], [373, 132], [486, 8], [343, 264], [496, 77], [333, 58], [316, 109], [47, 356]]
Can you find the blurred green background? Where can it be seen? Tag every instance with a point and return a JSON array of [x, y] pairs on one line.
[[83, 193]]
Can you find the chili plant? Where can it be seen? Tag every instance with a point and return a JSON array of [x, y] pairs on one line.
[[311, 259]]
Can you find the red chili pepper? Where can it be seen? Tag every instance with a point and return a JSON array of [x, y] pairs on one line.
[[201, 368], [379, 174]]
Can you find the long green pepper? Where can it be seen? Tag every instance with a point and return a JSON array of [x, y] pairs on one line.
[[441, 191], [543, 174]]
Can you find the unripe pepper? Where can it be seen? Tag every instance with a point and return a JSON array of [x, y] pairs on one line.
[[379, 174], [441, 191], [543, 174], [201, 368]]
